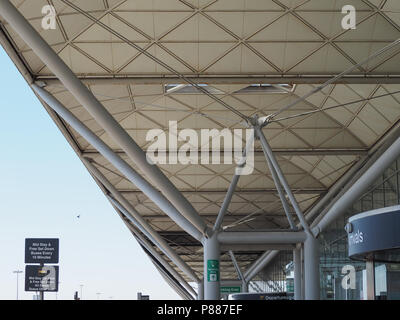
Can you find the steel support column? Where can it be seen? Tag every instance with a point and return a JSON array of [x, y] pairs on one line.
[[200, 290], [303, 283], [86, 98], [276, 237], [370, 279], [311, 268], [211, 268], [297, 273], [245, 286]]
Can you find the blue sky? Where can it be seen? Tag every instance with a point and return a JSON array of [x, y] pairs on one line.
[[43, 187]]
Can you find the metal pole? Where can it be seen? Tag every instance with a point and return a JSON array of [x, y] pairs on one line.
[[174, 283], [280, 193], [245, 286], [268, 151], [17, 272], [40, 47], [200, 290], [297, 273], [360, 186], [161, 260], [58, 289], [132, 213], [303, 284], [211, 268], [311, 268], [370, 275], [236, 265], [239, 272], [261, 259], [275, 237], [117, 161], [17, 284], [158, 241], [293, 79], [226, 203], [41, 293], [325, 202], [345, 183], [256, 267], [232, 187], [179, 290]]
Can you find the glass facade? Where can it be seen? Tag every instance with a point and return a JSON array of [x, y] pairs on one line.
[[342, 278], [274, 277]]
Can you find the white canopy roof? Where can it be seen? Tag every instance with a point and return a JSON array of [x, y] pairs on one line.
[[228, 46]]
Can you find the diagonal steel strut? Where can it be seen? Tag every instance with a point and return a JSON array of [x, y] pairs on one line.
[[149, 247], [270, 157], [232, 186], [280, 191]]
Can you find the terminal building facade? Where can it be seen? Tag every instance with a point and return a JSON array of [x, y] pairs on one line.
[[334, 261]]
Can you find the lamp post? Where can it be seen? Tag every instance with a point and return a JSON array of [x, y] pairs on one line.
[[81, 291], [17, 272]]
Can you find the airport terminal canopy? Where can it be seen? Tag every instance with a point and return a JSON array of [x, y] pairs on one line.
[[215, 64]]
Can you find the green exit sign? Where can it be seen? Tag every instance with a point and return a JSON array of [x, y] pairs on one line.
[[231, 289]]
